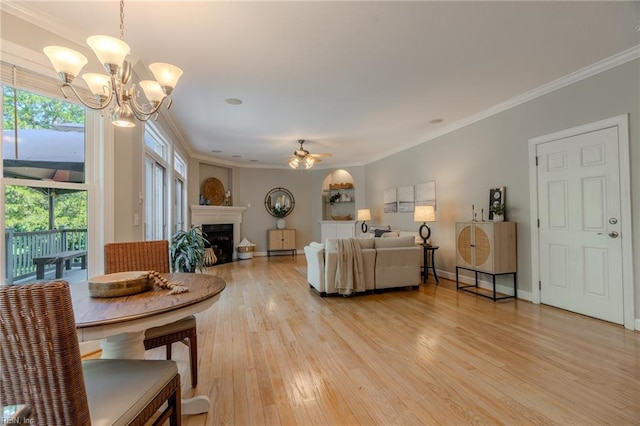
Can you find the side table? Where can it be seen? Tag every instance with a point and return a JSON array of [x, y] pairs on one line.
[[429, 261]]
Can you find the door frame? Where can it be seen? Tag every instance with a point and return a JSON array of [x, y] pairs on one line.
[[622, 123]]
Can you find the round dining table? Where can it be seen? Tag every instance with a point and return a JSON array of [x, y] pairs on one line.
[[120, 322]]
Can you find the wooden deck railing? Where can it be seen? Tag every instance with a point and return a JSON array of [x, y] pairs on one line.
[[22, 247]]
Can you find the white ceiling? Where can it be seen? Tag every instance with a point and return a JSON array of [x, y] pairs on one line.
[[358, 79]]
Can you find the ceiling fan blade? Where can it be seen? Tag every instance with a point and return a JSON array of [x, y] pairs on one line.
[[326, 154]]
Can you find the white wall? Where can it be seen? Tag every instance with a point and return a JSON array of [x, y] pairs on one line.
[[494, 152], [252, 185]]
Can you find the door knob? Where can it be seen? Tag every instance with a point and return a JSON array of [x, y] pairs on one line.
[[612, 234]]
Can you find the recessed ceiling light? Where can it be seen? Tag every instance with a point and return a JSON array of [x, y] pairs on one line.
[[233, 101], [436, 121], [216, 150], [237, 156]]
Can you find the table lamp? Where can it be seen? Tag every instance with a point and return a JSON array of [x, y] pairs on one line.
[[364, 215], [424, 214]]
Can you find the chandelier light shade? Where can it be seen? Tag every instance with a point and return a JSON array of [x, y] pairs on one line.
[[364, 215], [424, 214], [109, 50], [67, 62], [111, 91]]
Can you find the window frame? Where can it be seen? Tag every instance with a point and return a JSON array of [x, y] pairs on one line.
[[98, 181]]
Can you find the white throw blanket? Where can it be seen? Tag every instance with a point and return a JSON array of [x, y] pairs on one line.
[[350, 267]]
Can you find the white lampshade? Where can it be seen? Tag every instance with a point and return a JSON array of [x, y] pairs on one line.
[[424, 214], [167, 75], [65, 61], [109, 50], [294, 163], [152, 90], [309, 161], [99, 84], [364, 214]]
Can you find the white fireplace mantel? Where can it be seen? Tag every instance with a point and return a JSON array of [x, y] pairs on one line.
[[213, 215]]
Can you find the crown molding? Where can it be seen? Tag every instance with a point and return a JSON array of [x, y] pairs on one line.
[[589, 71], [33, 16]]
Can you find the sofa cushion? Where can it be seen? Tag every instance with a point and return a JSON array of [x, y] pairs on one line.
[[331, 245], [379, 232], [390, 234], [366, 243], [316, 245], [394, 242]]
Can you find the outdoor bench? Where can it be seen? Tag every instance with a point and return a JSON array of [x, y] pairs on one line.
[[57, 259]]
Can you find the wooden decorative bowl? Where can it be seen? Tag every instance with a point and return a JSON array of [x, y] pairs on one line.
[[120, 284], [213, 190], [347, 217]]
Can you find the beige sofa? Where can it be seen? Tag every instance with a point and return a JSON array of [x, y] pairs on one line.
[[387, 263]]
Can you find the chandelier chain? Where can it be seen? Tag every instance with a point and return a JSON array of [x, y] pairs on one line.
[[122, 20]]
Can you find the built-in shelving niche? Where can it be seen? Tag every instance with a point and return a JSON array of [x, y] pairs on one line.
[[338, 182]]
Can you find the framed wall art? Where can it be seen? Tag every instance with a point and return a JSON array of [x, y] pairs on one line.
[[390, 201], [406, 202], [497, 197], [425, 194]]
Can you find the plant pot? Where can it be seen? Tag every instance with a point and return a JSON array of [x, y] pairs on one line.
[[281, 223], [498, 218]]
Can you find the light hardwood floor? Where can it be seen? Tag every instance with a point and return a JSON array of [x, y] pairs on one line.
[[273, 352]]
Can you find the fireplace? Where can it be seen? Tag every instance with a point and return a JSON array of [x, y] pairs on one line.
[[220, 237], [219, 215]]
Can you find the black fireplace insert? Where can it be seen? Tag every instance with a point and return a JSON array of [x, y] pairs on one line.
[[220, 238]]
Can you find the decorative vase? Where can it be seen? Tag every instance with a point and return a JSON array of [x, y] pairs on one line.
[[210, 258], [498, 217], [281, 223]]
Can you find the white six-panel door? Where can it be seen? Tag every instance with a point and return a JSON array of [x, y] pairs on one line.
[[580, 250]]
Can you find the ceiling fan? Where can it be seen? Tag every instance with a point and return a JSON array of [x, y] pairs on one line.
[[303, 158]]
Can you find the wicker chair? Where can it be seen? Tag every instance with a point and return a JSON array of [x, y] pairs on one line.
[[41, 367], [154, 256]]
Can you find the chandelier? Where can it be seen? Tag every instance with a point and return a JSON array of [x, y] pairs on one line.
[[111, 91]]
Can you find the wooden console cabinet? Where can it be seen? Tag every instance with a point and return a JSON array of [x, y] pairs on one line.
[[489, 248], [281, 240]]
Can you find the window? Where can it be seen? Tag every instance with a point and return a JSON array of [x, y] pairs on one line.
[[43, 185], [42, 138], [155, 166], [179, 193]]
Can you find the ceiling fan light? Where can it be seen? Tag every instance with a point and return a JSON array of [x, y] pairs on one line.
[[66, 62], [110, 51], [309, 161], [294, 163]]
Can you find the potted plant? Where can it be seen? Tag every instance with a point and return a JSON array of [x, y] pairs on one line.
[[280, 211], [334, 198], [498, 211], [187, 250]]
